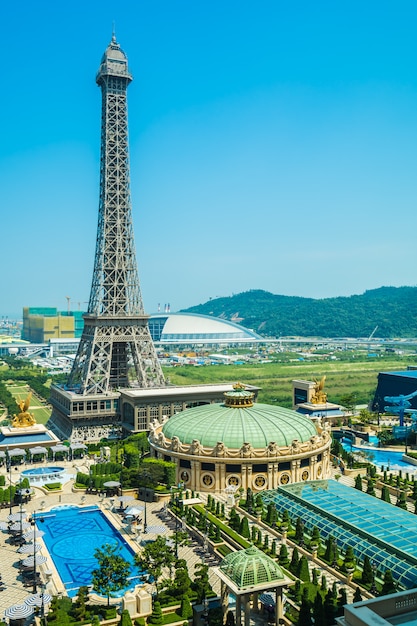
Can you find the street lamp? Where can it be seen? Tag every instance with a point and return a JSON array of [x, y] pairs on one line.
[[33, 521], [206, 611], [9, 469]]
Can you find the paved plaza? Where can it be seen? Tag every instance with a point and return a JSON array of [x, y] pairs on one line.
[[14, 591]]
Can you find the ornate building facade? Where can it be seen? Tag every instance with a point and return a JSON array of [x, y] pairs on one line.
[[241, 444]]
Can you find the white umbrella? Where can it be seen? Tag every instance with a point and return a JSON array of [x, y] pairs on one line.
[[29, 548], [134, 510], [19, 526], [111, 483], [155, 530], [30, 560], [4, 526], [18, 611], [31, 534], [37, 599], [16, 517], [125, 498]]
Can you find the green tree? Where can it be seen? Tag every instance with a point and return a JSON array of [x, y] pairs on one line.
[[304, 616], [331, 553], [349, 561], [294, 561], [154, 556], [80, 604], [299, 531], [315, 537], [370, 488], [283, 556], [249, 499], [244, 527], [318, 611], [358, 482], [297, 591], [367, 571], [95, 621], [182, 581], [157, 615], [112, 572], [125, 619], [201, 584], [186, 609], [342, 600], [385, 494], [330, 605], [303, 572], [357, 596], [402, 501], [388, 585]]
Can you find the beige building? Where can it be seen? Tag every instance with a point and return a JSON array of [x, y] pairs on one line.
[[241, 444]]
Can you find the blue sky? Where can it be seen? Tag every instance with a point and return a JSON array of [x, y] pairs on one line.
[[273, 145]]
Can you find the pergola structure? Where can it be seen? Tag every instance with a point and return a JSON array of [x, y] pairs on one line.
[[247, 574], [59, 448], [38, 450]]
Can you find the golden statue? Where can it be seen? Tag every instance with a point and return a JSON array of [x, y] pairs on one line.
[[24, 418], [319, 396]]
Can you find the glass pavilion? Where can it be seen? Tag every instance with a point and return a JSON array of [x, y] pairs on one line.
[[383, 532]]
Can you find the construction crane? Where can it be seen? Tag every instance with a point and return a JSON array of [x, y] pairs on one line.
[[68, 303]]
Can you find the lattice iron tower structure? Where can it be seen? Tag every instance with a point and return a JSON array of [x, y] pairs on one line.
[[116, 348]]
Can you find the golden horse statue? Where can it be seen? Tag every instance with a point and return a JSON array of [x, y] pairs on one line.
[[319, 396], [24, 418]]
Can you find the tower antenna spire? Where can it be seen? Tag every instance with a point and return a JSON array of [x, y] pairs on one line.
[[113, 32], [116, 349]]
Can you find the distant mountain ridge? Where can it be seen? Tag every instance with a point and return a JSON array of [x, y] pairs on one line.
[[392, 309]]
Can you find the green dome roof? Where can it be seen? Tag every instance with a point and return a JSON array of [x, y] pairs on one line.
[[250, 567], [258, 425]]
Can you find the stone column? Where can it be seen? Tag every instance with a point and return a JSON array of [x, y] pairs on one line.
[[244, 477], [313, 463], [195, 476], [278, 605], [246, 601], [248, 476], [238, 611], [222, 484], [224, 598]]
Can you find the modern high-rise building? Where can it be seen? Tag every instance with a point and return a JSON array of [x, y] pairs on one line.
[[116, 350]]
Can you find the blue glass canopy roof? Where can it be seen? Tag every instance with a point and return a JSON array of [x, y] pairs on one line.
[[383, 532]]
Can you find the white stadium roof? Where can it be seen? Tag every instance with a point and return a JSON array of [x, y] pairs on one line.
[[177, 328]]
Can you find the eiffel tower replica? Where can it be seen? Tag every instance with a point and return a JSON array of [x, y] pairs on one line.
[[116, 349]]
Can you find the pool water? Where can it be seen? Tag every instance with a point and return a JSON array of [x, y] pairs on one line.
[[39, 471], [72, 534], [380, 457]]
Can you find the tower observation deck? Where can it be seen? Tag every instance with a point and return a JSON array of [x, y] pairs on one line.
[[116, 348]]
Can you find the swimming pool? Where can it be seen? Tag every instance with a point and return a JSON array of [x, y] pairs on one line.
[[72, 534], [42, 475], [36, 471], [380, 457]]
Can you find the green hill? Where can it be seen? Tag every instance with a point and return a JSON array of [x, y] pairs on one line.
[[392, 309]]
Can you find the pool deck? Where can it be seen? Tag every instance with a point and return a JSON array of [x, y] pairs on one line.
[[14, 592]]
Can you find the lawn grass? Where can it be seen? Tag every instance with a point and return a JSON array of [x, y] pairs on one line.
[[40, 411], [357, 375]]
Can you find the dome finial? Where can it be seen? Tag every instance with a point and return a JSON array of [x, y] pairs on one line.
[[113, 32], [239, 397]]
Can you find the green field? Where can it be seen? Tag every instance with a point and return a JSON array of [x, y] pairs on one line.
[[40, 411], [358, 375]]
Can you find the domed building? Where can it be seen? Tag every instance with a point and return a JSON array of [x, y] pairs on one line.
[[241, 444]]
